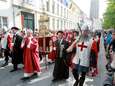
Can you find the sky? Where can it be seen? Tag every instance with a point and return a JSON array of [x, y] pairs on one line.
[[85, 6]]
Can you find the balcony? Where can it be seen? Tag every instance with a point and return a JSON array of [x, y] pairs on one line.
[[28, 4], [19, 2]]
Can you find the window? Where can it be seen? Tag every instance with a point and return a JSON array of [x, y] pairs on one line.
[[57, 24], [64, 23], [61, 24], [64, 13], [47, 3], [28, 1], [53, 23], [61, 1], [28, 20], [0, 23], [61, 10], [57, 9], [53, 5], [3, 21]]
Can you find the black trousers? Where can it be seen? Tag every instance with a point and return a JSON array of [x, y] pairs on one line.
[[7, 54], [80, 80]]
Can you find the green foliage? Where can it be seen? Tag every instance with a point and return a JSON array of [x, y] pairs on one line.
[[109, 16]]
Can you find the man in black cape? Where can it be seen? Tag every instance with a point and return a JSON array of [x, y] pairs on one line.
[[61, 70], [17, 52]]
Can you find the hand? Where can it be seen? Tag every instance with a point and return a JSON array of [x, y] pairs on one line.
[[11, 50], [111, 52], [29, 43], [62, 46], [12, 44], [54, 48], [73, 66]]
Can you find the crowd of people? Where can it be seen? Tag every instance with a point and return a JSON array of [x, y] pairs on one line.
[[22, 47], [77, 50], [109, 42]]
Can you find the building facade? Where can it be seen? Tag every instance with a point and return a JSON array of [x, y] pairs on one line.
[[54, 14], [94, 15], [94, 9], [6, 11], [63, 14]]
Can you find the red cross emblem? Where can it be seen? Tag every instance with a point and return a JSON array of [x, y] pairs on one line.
[[82, 46]]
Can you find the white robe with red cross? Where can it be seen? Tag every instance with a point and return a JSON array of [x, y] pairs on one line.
[[82, 53]]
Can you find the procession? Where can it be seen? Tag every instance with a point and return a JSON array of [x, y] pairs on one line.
[[57, 43], [77, 52]]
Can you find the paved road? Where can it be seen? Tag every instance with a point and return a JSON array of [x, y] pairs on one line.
[[13, 79]]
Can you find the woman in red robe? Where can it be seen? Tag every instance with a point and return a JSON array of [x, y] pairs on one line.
[[30, 56], [94, 57], [52, 51]]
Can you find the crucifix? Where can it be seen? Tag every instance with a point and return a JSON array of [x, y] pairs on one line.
[[82, 46]]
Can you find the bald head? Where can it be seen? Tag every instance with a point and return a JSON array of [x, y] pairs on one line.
[[29, 32]]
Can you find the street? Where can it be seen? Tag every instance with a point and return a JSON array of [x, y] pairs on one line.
[[45, 79]]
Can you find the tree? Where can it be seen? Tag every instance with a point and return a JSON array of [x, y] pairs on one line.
[[109, 15]]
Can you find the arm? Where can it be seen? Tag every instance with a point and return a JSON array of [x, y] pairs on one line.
[[34, 44], [9, 41], [29, 44], [23, 42], [70, 48]]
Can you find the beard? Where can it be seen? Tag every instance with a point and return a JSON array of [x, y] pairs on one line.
[[85, 37]]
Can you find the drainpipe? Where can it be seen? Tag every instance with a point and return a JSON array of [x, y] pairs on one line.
[[13, 12]]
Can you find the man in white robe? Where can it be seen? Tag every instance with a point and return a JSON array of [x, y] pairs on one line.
[[81, 59]]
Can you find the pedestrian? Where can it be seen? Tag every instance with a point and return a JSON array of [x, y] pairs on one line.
[[108, 39], [52, 52], [61, 70], [81, 60], [75, 34], [71, 37], [112, 50], [6, 45], [30, 56], [94, 56], [17, 52]]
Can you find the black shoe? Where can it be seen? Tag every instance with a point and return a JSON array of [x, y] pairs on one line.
[[49, 63], [35, 75], [5, 64], [75, 84], [25, 78], [54, 80], [13, 70]]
